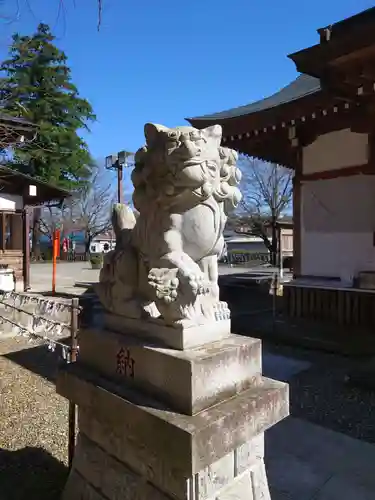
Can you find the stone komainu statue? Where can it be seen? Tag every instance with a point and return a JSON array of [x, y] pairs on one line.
[[164, 267]]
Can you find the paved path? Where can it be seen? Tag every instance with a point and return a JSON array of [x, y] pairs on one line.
[[307, 462], [68, 273]]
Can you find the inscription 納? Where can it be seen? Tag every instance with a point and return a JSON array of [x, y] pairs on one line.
[[125, 363]]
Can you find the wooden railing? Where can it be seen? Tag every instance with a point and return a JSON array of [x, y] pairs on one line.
[[243, 257], [342, 306], [73, 257]]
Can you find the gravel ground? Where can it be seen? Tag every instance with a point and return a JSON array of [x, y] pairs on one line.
[[33, 424], [322, 394]]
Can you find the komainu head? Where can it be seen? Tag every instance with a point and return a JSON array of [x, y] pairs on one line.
[[176, 161]]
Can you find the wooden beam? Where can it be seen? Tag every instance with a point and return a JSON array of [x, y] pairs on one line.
[[271, 147], [354, 72], [335, 119], [276, 146], [367, 169], [368, 71], [339, 87]]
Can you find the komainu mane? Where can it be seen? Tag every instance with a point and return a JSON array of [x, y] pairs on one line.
[[164, 267]]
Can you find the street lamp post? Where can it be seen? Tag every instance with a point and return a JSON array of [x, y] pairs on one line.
[[118, 162]]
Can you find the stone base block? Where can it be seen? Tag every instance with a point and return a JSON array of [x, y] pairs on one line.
[[167, 449], [188, 381], [98, 475], [173, 337]]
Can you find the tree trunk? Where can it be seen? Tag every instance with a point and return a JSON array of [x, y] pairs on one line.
[[88, 240], [36, 234]]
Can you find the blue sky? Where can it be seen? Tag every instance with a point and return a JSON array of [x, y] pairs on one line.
[[164, 60]]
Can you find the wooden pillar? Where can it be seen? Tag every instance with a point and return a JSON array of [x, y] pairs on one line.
[[3, 230], [297, 217], [26, 249]]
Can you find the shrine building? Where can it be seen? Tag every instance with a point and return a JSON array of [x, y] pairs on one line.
[[322, 125], [19, 193]]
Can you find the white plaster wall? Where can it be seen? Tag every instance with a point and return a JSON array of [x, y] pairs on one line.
[[335, 150], [99, 246], [10, 202], [338, 222], [286, 240], [340, 255]]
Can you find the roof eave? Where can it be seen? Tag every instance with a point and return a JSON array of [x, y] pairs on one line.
[[357, 20], [56, 193], [312, 60]]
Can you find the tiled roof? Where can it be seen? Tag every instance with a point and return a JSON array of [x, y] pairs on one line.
[[303, 85], [300, 87]]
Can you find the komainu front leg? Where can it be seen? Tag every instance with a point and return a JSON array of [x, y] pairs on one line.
[[178, 291], [212, 307], [177, 280], [190, 276]]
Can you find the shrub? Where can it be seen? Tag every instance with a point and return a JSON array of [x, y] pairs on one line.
[[96, 258]]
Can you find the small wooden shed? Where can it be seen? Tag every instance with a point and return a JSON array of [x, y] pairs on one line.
[[19, 193]]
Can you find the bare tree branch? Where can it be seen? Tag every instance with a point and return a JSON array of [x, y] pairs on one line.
[[14, 15], [267, 194], [91, 208], [100, 13]]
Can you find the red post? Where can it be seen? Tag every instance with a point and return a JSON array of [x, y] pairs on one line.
[[58, 243], [55, 254]]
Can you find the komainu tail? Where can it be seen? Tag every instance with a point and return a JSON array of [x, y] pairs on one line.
[[123, 221]]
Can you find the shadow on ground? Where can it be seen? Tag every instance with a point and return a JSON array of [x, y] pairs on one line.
[[31, 473], [38, 360], [57, 295]]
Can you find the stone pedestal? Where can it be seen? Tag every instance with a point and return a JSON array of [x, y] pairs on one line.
[[161, 423]]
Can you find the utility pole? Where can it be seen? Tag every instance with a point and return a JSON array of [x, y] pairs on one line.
[[118, 162], [120, 186]]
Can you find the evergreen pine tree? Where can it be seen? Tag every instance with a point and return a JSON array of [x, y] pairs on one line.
[[37, 86]]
